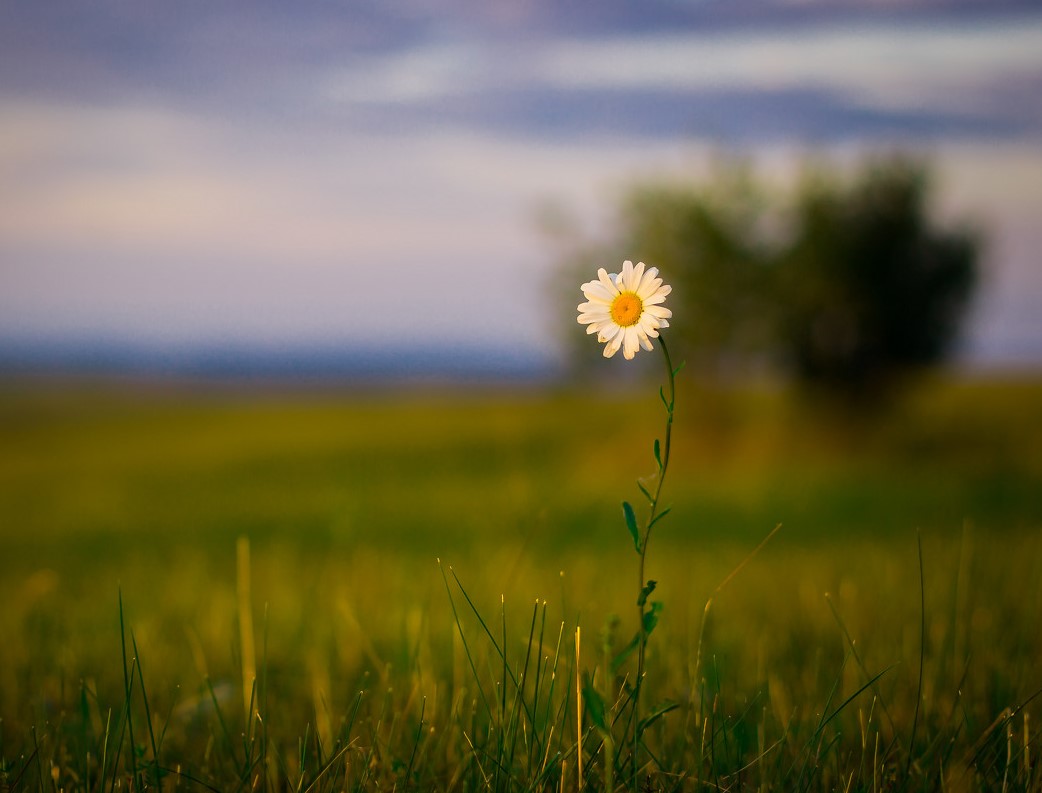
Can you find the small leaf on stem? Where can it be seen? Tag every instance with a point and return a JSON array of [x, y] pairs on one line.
[[660, 516], [651, 617], [646, 492], [646, 590], [631, 524]]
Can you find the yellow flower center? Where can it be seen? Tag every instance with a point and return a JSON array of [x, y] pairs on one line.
[[626, 309]]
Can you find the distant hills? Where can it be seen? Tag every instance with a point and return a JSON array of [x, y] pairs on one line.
[[303, 363]]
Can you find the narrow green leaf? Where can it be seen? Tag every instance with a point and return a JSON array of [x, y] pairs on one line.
[[624, 653], [658, 454], [651, 617], [660, 516], [646, 492], [655, 715], [646, 590], [594, 704], [631, 524], [662, 396], [650, 621]]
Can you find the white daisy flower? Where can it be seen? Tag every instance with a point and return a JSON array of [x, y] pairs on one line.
[[624, 310]]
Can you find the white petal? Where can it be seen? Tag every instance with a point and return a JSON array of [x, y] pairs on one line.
[[620, 277], [642, 334], [593, 310], [649, 325], [647, 285], [659, 312], [631, 276], [596, 291], [612, 346], [608, 281], [648, 289], [631, 343], [659, 295]]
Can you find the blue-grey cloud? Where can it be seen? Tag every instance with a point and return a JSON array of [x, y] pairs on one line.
[[199, 170], [819, 83], [741, 70], [746, 117], [241, 53]]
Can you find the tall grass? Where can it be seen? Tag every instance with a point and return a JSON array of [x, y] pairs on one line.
[[843, 656]]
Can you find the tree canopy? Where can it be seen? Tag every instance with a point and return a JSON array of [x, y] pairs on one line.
[[846, 283]]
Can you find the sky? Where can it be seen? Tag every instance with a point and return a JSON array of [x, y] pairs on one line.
[[367, 175]]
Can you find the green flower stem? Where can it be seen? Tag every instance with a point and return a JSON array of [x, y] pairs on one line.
[[668, 396]]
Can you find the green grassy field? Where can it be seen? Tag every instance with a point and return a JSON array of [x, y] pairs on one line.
[[839, 657]]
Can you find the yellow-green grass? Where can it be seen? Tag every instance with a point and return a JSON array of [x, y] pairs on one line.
[[349, 499]]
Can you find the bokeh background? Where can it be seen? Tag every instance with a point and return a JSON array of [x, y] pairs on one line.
[[287, 327], [367, 178]]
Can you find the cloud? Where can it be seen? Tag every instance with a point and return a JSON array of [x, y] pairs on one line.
[[893, 64], [814, 82], [155, 225], [370, 169]]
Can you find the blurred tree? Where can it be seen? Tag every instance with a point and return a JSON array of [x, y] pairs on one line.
[[847, 285], [869, 287], [707, 245], [706, 241]]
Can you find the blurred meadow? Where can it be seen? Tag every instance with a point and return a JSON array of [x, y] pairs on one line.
[[349, 499]]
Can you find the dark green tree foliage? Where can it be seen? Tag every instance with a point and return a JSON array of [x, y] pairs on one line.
[[705, 243], [869, 288], [848, 286]]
